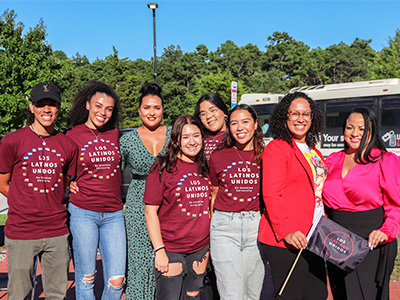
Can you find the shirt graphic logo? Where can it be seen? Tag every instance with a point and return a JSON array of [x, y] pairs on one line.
[[41, 169], [191, 193], [101, 154]]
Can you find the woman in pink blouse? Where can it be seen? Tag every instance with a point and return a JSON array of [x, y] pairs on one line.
[[362, 193]]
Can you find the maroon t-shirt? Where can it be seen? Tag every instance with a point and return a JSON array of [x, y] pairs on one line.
[[211, 143], [99, 173], [238, 179], [184, 200], [36, 195]]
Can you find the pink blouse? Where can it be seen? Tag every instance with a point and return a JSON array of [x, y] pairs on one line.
[[366, 187]]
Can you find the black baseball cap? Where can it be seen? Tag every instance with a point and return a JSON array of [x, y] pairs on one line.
[[45, 90]]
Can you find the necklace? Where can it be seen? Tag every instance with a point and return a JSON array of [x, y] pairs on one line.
[[241, 156], [43, 139], [96, 136]]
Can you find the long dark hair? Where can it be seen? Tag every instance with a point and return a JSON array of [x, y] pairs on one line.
[[79, 114], [167, 161], [278, 127], [215, 99], [370, 129], [150, 89], [258, 146]]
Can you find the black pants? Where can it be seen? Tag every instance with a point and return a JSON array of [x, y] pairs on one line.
[[176, 287], [370, 281], [308, 279], [362, 283], [210, 290]]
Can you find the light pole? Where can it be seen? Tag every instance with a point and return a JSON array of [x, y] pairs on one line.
[[153, 7]]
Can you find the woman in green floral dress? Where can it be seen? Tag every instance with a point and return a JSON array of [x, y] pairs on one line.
[[139, 149]]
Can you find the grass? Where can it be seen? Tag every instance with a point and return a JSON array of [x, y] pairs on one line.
[[396, 271], [3, 218]]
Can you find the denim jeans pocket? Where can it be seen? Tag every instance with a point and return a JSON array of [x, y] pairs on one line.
[[219, 220]]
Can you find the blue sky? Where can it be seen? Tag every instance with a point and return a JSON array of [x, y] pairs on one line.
[[92, 28]]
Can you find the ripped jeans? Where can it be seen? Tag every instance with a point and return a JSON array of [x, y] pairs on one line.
[[176, 287], [92, 230]]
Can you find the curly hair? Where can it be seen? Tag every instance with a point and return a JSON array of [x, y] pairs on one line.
[[371, 130], [79, 114], [215, 99], [167, 161], [278, 124], [150, 89], [258, 145]]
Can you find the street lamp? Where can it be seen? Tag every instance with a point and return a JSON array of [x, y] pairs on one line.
[[153, 7]]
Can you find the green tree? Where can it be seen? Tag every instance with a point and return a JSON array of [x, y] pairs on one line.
[[387, 63], [286, 55], [313, 69], [178, 72], [267, 82], [138, 72], [219, 82], [346, 63], [241, 62], [24, 61]]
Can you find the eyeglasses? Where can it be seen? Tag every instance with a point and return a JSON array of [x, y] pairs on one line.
[[294, 115], [204, 114]]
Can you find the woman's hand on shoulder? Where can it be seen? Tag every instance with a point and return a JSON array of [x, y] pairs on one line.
[[297, 239], [73, 187], [375, 238], [161, 261]]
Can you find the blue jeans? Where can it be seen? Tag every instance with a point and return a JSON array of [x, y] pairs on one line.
[[235, 254], [90, 231]]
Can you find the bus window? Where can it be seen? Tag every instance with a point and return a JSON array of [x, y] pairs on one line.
[[264, 115], [336, 111], [390, 116], [264, 110]]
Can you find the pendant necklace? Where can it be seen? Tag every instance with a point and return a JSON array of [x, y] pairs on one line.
[[43, 139], [241, 156], [96, 136]]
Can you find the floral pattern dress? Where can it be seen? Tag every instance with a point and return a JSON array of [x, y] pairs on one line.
[[140, 284]]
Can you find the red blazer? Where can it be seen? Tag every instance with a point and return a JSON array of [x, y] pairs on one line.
[[288, 193]]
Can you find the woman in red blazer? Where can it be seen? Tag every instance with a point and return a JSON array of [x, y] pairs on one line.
[[293, 172]]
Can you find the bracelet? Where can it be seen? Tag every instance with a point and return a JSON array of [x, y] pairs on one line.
[[158, 248]]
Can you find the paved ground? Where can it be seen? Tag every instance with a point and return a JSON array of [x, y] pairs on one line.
[[39, 295], [395, 290]]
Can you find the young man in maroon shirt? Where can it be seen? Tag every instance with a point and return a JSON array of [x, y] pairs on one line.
[[34, 163]]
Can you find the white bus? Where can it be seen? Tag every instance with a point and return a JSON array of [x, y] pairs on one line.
[[336, 100]]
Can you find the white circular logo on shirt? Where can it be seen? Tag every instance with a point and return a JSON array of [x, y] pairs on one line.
[[41, 168], [195, 189], [242, 179], [102, 156]]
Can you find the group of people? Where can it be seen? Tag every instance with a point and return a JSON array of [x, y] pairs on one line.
[[207, 200], [358, 187]]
